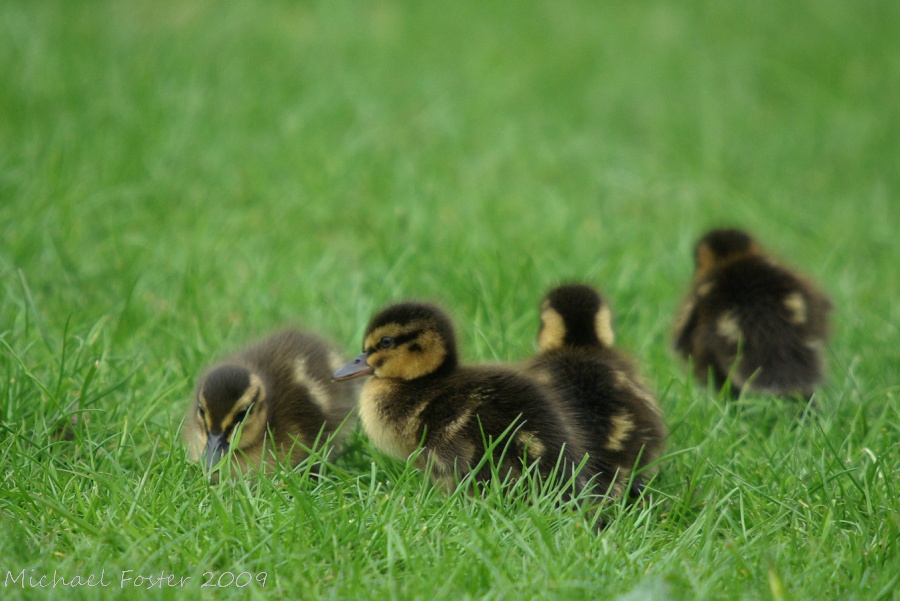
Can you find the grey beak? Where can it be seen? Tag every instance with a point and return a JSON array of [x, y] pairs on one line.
[[355, 369], [216, 447]]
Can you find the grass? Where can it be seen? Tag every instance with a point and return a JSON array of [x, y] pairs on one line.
[[177, 179]]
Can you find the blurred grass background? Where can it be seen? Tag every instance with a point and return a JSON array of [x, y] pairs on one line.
[[179, 178]]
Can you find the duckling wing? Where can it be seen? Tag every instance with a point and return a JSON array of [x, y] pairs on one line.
[[305, 405], [765, 315]]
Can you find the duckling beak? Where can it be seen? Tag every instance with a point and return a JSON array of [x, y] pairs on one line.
[[355, 369], [216, 447]]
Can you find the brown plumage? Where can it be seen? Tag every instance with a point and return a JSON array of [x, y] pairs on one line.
[[610, 411], [279, 396], [751, 320], [419, 396]]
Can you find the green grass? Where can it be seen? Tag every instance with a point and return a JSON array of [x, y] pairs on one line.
[[179, 178]]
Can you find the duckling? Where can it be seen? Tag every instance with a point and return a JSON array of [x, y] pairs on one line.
[[278, 395], [613, 413], [421, 397], [751, 321]]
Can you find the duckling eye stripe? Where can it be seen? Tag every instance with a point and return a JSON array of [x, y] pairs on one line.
[[398, 340]]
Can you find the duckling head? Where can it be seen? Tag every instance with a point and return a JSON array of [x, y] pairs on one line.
[[231, 411], [574, 315], [405, 341], [721, 246]]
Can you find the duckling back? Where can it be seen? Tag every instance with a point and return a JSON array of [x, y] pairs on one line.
[[755, 322], [307, 404], [609, 410]]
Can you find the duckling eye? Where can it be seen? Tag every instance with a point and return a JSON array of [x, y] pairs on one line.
[[386, 341], [201, 412], [240, 416]]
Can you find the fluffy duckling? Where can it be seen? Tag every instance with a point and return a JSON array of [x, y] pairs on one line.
[[611, 411], [420, 396], [278, 395], [751, 320]]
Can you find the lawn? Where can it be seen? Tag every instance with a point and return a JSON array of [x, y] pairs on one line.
[[180, 178]]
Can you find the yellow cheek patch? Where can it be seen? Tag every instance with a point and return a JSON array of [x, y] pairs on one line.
[[411, 359], [430, 356], [253, 394], [205, 418], [603, 327], [553, 330]]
